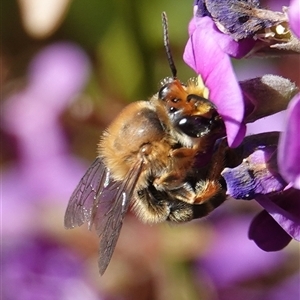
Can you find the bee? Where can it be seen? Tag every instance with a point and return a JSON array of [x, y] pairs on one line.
[[148, 159]]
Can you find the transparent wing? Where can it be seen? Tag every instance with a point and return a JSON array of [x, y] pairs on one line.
[[102, 202], [82, 200]]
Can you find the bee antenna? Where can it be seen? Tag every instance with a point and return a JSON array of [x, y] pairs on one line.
[[167, 44]]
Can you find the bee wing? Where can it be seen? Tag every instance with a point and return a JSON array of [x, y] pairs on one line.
[[82, 200], [102, 202]]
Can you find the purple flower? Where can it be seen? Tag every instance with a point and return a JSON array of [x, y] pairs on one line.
[[231, 247], [257, 177], [215, 36], [207, 58], [294, 17], [254, 170], [289, 145], [274, 227]]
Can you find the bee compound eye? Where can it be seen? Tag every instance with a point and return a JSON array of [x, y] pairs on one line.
[[194, 126]]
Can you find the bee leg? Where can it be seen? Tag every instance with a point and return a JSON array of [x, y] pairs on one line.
[[180, 211], [213, 185], [182, 159], [183, 212], [205, 190], [158, 206], [203, 209], [182, 208]]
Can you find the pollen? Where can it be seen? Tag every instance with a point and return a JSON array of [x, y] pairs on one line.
[[196, 86]]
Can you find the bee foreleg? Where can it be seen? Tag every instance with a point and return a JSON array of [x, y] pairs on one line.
[[203, 209], [211, 189], [207, 189]]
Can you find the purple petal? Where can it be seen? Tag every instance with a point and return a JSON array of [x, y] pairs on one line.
[[193, 24], [267, 234], [204, 55], [236, 49], [254, 176], [289, 145], [294, 17], [285, 210]]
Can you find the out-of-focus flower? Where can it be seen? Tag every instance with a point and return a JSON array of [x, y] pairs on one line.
[[41, 18], [45, 170], [233, 265], [233, 245], [294, 17], [37, 267], [40, 181], [289, 286], [289, 145]]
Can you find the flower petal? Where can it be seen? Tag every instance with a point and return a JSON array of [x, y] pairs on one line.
[[259, 92], [256, 172], [285, 210], [289, 145], [267, 234], [236, 49], [204, 55], [294, 17]]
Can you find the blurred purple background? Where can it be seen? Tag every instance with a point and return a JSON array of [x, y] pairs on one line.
[[62, 83]]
